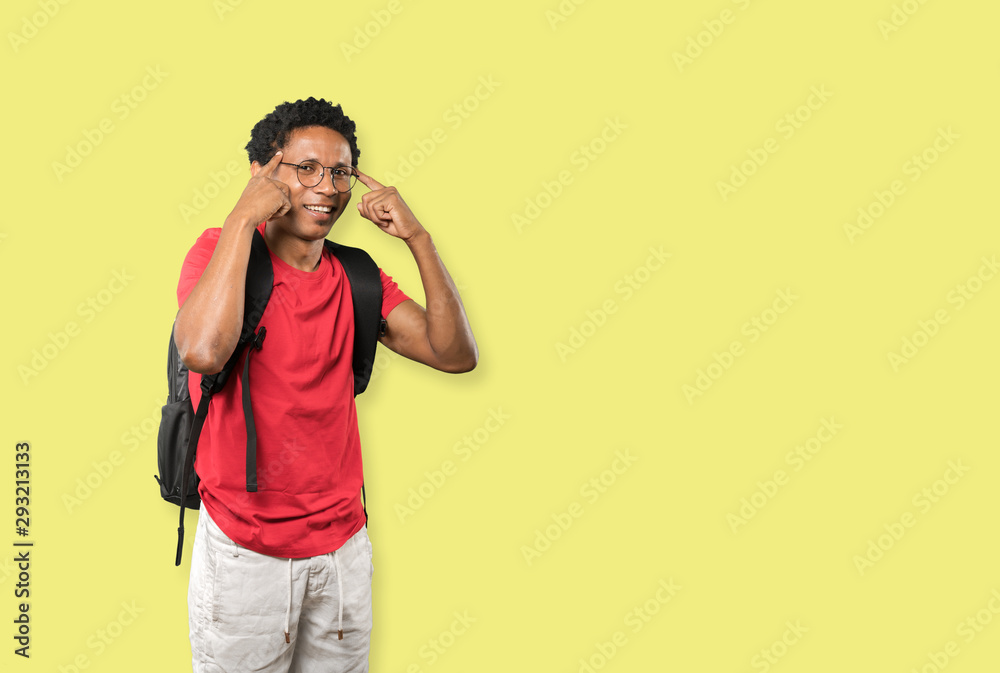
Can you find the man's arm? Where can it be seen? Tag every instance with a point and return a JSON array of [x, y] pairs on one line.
[[208, 325], [438, 336]]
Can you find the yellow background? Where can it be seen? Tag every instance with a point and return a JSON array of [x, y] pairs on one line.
[[560, 73]]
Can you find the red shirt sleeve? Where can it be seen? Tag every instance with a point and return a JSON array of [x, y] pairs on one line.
[[200, 254], [197, 259], [392, 296]]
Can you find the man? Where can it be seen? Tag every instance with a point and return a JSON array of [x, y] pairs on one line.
[[281, 578]]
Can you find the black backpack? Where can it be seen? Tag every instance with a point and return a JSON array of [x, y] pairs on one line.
[[180, 425]]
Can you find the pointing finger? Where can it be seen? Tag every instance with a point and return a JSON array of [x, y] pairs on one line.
[[368, 181], [271, 166]]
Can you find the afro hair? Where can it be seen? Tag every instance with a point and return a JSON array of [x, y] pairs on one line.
[[272, 132]]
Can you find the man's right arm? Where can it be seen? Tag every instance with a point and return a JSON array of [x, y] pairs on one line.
[[208, 325]]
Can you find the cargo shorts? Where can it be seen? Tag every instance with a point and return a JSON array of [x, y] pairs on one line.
[[252, 612]]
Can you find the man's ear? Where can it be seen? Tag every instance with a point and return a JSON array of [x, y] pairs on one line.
[[254, 169]]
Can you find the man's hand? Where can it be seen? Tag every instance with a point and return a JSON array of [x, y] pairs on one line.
[[439, 336], [263, 197], [208, 325], [386, 208]]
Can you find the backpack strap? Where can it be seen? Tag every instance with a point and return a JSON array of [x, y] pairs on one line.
[[259, 281], [366, 293], [188, 473], [255, 345]]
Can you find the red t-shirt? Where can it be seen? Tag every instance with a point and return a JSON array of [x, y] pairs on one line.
[[308, 451]]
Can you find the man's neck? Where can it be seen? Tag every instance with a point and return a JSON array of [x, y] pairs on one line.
[[295, 252]]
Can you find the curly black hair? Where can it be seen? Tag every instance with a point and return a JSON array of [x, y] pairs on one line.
[[271, 133]]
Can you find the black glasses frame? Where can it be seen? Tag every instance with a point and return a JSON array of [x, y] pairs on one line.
[[322, 174]]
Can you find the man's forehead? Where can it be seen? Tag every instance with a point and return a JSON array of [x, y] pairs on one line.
[[317, 142]]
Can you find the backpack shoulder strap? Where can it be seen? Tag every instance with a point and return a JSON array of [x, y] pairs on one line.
[[259, 282], [366, 293]]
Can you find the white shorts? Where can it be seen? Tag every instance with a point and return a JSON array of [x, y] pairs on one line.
[[241, 604]]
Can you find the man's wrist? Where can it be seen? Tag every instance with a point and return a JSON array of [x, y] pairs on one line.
[[420, 239], [239, 222]]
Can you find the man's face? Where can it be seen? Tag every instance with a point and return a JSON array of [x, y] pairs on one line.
[[329, 148]]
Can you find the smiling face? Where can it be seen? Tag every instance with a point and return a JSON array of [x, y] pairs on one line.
[[314, 209]]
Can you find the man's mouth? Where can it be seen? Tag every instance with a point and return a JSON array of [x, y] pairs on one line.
[[320, 209]]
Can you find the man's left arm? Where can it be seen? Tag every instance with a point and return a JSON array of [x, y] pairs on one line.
[[438, 336]]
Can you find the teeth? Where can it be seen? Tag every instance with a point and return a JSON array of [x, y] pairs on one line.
[[320, 209]]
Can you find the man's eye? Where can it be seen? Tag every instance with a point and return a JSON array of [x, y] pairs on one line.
[[307, 169], [341, 172]]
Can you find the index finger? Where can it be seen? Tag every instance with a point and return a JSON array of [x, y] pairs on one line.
[[368, 181], [271, 166]]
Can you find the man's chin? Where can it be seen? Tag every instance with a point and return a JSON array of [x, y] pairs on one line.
[[316, 230]]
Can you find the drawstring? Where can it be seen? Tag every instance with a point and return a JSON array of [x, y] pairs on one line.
[[288, 614], [340, 595]]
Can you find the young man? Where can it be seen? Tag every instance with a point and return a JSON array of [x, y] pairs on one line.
[[281, 578]]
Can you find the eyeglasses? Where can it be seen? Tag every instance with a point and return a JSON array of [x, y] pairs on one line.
[[310, 174]]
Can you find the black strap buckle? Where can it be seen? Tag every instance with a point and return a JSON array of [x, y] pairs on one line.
[[258, 339]]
